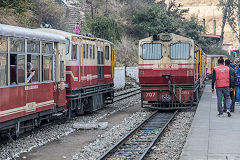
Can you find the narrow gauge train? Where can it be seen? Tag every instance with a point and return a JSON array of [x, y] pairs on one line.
[[172, 70], [212, 61], [73, 73]]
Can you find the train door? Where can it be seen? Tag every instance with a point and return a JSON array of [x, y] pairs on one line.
[[59, 63], [113, 60]]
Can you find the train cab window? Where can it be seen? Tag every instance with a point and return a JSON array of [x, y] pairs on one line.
[[180, 51], [74, 52], [93, 51], [152, 51], [3, 61], [90, 47], [107, 52]]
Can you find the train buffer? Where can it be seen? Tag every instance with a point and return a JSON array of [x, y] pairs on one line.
[[212, 137]]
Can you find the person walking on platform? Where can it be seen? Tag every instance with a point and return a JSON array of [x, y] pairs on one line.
[[237, 84], [232, 84], [221, 75]]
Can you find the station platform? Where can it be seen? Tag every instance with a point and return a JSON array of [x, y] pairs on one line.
[[212, 137]]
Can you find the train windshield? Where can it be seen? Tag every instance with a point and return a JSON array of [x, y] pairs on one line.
[[152, 51], [180, 51]]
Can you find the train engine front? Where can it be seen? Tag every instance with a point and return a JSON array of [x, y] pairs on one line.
[[171, 71]]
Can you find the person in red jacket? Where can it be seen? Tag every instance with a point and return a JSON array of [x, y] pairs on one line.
[[221, 75]]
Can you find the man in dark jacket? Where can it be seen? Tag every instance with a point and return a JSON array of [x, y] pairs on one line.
[[221, 75], [232, 80]]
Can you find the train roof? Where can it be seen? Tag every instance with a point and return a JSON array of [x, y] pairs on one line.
[[173, 36], [20, 32], [68, 34]]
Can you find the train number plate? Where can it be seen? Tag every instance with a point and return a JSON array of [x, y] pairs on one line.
[[150, 94]]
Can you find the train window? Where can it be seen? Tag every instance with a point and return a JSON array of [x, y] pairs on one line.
[[74, 52], [90, 51], [20, 68], [35, 64], [107, 52], [3, 44], [180, 51], [93, 51], [3, 61], [84, 51], [17, 45], [47, 68], [67, 45], [3, 69], [62, 70], [47, 47], [33, 46], [152, 51], [17, 68], [100, 67]]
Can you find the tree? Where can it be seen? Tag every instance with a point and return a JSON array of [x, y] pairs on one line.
[[105, 27], [154, 20], [19, 5], [192, 29]]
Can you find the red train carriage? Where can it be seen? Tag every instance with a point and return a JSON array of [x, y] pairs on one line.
[[24, 100], [171, 71], [89, 72]]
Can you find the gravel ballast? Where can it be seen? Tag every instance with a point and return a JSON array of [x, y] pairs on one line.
[[109, 138], [49, 133], [169, 147], [171, 144]]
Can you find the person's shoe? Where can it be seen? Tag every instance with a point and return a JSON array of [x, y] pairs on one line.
[[220, 115], [229, 114]]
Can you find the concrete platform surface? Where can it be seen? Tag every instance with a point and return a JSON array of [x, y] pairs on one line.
[[212, 137]]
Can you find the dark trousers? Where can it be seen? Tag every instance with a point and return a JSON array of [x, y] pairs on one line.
[[232, 106]]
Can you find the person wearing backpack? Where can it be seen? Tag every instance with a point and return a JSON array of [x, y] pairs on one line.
[[237, 84]]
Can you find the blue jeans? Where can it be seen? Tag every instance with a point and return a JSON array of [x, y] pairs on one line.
[[223, 91], [237, 88]]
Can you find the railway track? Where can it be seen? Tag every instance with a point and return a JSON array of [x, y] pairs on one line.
[[117, 98], [138, 142], [127, 94]]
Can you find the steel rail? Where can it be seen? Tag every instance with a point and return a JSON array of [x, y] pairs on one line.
[[121, 94], [127, 96], [148, 128], [157, 138]]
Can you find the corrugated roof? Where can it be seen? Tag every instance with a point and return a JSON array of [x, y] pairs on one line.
[[20, 32]]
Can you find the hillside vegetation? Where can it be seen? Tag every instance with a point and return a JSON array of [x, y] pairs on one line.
[[123, 22]]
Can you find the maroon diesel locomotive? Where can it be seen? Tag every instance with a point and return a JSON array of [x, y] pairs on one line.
[[172, 70]]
